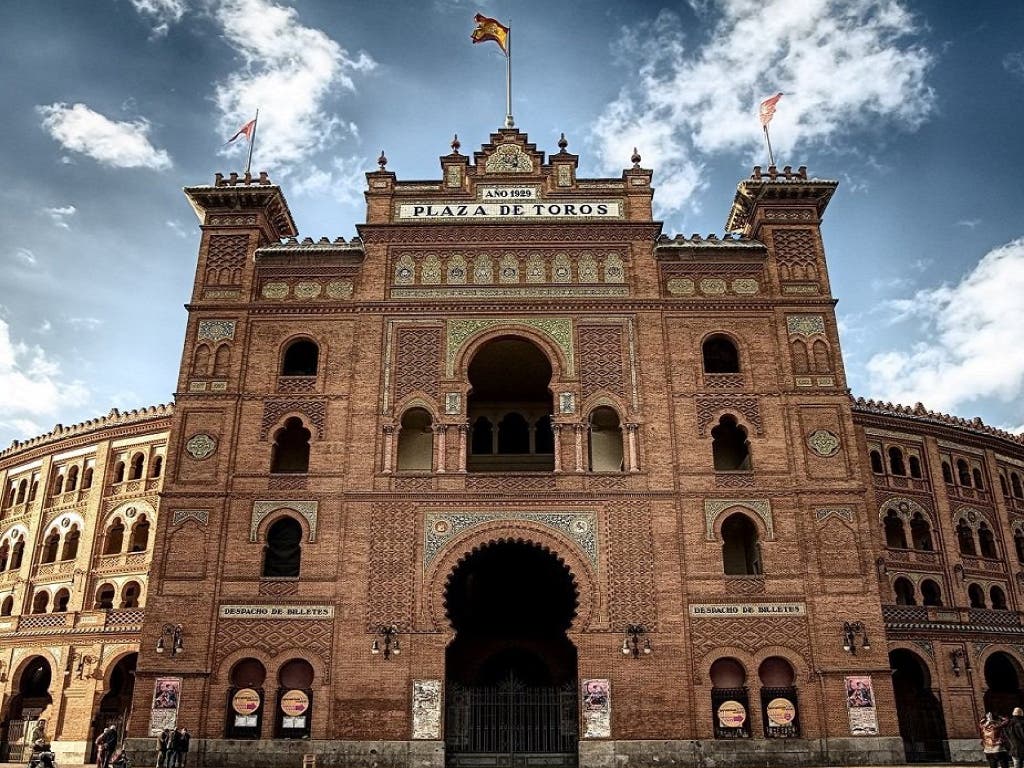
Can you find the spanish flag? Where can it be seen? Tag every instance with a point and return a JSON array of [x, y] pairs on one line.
[[490, 29]]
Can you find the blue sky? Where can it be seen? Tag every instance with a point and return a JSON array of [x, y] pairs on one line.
[[915, 107]]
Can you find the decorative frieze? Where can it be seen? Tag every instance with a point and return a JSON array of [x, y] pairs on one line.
[[715, 507], [262, 509]]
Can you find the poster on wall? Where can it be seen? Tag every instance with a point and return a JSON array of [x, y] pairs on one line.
[[860, 705], [426, 709], [780, 718], [597, 709], [166, 699], [294, 704], [245, 703]]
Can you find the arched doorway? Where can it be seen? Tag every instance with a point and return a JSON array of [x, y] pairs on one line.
[[27, 704], [511, 670], [116, 703], [922, 725], [1002, 684]]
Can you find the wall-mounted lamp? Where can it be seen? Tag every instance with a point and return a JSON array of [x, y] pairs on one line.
[[174, 633], [851, 631], [636, 641], [82, 661], [880, 567], [388, 639], [958, 571], [958, 661]]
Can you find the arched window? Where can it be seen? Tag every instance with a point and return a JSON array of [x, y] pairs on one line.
[[87, 478], [822, 358], [986, 542], [71, 539], [605, 441], [135, 473], [119, 472], [8, 606], [1003, 486], [543, 436], [800, 361], [976, 595], [33, 490], [921, 533], [130, 595], [12, 490], [40, 601], [896, 465], [105, 597], [998, 598], [17, 554], [294, 675], [58, 485], [895, 533], [729, 445], [1018, 545], [302, 358], [201, 361], [139, 540], [876, 463], [291, 447], [158, 466], [416, 441], [963, 473], [947, 473], [50, 544], [965, 538], [976, 474], [915, 466], [113, 542], [513, 434], [72, 483], [61, 600], [483, 437], [931, 594], [728, 689], [221, 360], [720, 355], [5, 554], [282, 554], [1015, 482], [22, 490], [741, 554], [904, 592]]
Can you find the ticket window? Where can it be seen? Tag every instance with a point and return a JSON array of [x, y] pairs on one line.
[[295, 700], [245, 700], [779, 707], [730, 705]]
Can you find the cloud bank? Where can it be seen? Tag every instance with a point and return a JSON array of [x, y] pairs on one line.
[[116, 144]]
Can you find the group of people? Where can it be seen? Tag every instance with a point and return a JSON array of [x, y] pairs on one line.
[[172, 747], [1002, 738]]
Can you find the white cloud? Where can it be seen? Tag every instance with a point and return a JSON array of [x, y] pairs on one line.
[[25, 256], [60, 215], [968, 223], [180, 230], [1014, 63], [973, 347], [117, 144], [31, 384], [842, 63], [163, 13], [85, 323], [345, 181], [289, 72]]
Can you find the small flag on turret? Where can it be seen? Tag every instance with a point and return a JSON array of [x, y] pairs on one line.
[[490, 29], [768, 109], [246, 130]]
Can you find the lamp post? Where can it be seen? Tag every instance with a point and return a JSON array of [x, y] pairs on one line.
[[636, 641], [958, 661], [174, 633]]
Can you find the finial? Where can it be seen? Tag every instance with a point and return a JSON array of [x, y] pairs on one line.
[[382, 161], [635, 158], [562, 143], [456, 144]]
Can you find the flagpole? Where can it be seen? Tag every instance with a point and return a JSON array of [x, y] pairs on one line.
[[771, 156], [509, 120], [252, 141]]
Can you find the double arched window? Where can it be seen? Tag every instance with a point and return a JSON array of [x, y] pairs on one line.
[[291, 447]]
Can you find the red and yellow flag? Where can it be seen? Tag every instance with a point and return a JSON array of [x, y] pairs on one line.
[[490, 29]]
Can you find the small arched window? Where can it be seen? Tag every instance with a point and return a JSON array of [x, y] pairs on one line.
[[543, 436], [12, 490], [895, 533], [947, 473], [1003, 486], [201, 361], [896, 465], [416, 441], [72, 483], [876, 463], [5, 554], [741, 554], [965, 538], [130, 595], [158, 466], [135, 473], [963, 473], [8, 606], [118, 472], [17, 554], [921, 533], [40, 601], [997, 598], [513, 434], [976, 474], [915, 466], [1015, 483], [291, 447], [282, 554], [50, 544], [113, 542], [58, 485], [105, 597], [931, 594], [605, 441], [71, 539], [61, 600], [1018, 545], [987, 542], [483, 437], [22, 491], [800, 360], [87, 478], [720, 355], [222, 360], [301, 358], [729, 446], [904, 591], [139, 540], [822, 357], [976, 595]]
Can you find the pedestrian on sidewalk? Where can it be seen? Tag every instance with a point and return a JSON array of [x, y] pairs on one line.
[[993, 740], [184, 737], [1015, 737], [163, 748]]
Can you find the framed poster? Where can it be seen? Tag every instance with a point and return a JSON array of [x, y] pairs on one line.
[[860, 706]]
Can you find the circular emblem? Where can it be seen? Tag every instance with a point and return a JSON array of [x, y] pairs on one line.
[[823, 442], [442, 527], [200, 447], [405, 273], [781, 712], [294, 703], [65, 522], [580, 526], [130, 512], [508, 272], [457, 272], [245, 701], [732, 714], [561, 272]]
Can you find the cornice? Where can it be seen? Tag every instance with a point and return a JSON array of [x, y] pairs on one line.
[[561, 232]]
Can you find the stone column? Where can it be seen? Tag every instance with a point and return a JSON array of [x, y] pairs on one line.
[[556, 430], [631, 453], [440, 447], [463, 435], [389, 445], [580, 431]]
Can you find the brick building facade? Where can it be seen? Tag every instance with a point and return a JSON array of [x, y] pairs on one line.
[[515, 476]]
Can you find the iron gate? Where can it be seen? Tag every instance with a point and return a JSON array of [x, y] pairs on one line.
[[511, 725]]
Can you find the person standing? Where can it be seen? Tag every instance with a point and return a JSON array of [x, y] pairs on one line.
[[184, 737], [993, 742], [163, 747], [1015, 737], [173, 749]]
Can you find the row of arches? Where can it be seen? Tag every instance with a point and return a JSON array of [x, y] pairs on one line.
[[107, 597], [21, 491], [246, 704], [897, 465], [778, 703], [931, 594], [973, 539], [135, 468], [966, 476], [1011, 487]]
